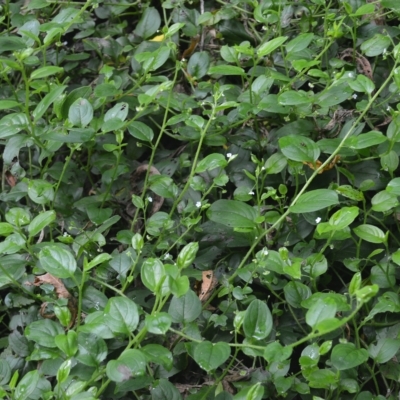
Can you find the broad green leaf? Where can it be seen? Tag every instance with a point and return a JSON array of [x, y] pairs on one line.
[[320, 310], [92, 350], [198, 64], [383, 275], [384, 201], [141, 131], [232, 213], [315, 200], [333, 95], [163, 389], [344, 217], [270, 46], [370, 233], [351, 193], [187, 255], [210, 356], [47, 101], [58, 261], [390, 161], [80, 113], [27, 385], [40, 222], [300, 42], [119, 111], [99, 259], [257, 321], [275, 164], [9, 104], [153, 274], [130, 363], [276, 352], [345, 356], [393, 187], [186, 308], [46, 71], [211, 162], [149, 23], [365, 140], [121, 315], [362, 84], [294, 98], [226, 70], [384, 350], [11, 43], [295, 293], [158, 323], [377, 45], [43, 332], [67, 343], [299, 148], [158, 354]]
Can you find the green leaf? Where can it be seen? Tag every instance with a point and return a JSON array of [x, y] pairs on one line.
[[210, 356], [46, 71], [299, 148], [345, 356], [163, 389], [384, 201], [270, 46], [294, 98], [315, 200], [232, 213], [119, 111], [47, 101], [370, 233], [80, 113], [383, 275], [131, 363], [351, 193], [198, 64], [322, 309], [40, 222], [27, 385], [185, 309], [158, 323], [141, 131], [187, 255], [300, 42], [58, 261], [275, 352], [153, 274], [149, 23], [296, 292], [67, 343], [343, 218], [43, 332], [257, 321], [275, 164], [376, 45], [226, 70], [121, 315], [211, 162], [384, 350], [99, 259], [158, 354], [92, 350], [11, 43], [365, 140]]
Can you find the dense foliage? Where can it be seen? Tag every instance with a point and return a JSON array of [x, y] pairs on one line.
[[199, 199]]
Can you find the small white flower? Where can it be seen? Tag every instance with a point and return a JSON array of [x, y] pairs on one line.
[[351, 75], [384, 51], [198, 204], [167, 256], [388, 108], [65, 234], [310, 85], [265, 251], [150, 199], [318, 220], [251, 192], [229, 155], [263, 168], [354, 96]]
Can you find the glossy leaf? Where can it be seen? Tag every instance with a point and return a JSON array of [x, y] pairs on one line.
[[257, 322], [299, 148], [345, 356], [210, 356], [121, 315], [57, 261], [315, 200], [186, 308]]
